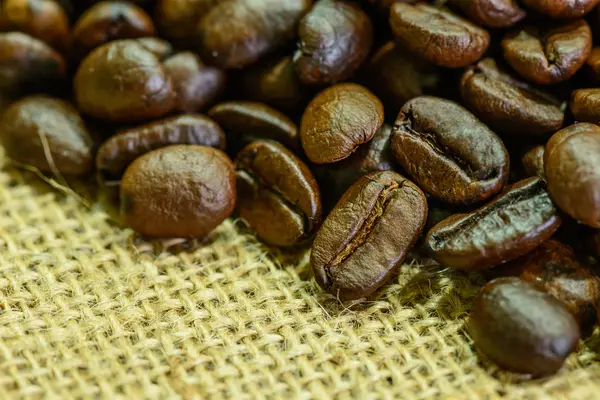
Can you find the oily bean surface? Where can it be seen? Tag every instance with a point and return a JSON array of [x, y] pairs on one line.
[[177, 20], [121, 81], [571, 163], [437, 35], [563, 9], [548, 55], [48, 134], [334, 39], [277, 194], [513, 224], [160, 48], [522, 328], [533, 161], [585, 105], [236, 33], [338, 120], [197, 85], [507, 105], [491, 13], [178, 191], [119, 151], [368, 234], [448, 152]]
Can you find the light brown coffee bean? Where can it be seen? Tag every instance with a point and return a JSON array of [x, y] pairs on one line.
[[585, 105]]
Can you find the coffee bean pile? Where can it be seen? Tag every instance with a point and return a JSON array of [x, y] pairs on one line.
[[465, 131]]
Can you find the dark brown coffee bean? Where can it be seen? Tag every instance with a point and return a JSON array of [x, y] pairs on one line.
[[45, 20], [522, 328], [246, 121], [585, 105], [177, 20], [277, 194], [48, 134], [507, 105], [437, 35], [548, 56], [567, 9], [367, 236], [397, 77], [592, 66], [28, 65], [121, 81], [335, 37], [533, 162], [160, 48], [449, 152], [197, 85], [571, 163], [338, 120], [513, 224], [115, 155], [492, 13], [108, 21], [178, 191], [236, 33]]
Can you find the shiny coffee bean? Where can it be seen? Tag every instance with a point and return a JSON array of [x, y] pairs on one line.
[[119, 151], [513, 224], [277, 194], [367, 236], [178, 191], [160, 48], [585, 105], [338, 120], [571, 163], [533, 161], [236, 33], [28, 65], [551, 55], [197, 85], [567, 9], [491, 13], [121, 81], [507, 105], [108, 21], [334, 39], [592, 66], [48, 134], [437, 35], [177, 20], [396, 76], [246, 121], [450, 153], [522, 328], [45, 20]]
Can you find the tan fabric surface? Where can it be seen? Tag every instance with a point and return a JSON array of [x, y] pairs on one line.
[[88, 311]]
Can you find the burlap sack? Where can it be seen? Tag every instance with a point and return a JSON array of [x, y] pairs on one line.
[[89, 311]]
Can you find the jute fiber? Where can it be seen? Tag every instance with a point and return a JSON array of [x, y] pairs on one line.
[[88, 310]]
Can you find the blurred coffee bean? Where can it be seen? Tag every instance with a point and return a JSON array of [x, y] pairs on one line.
[[177, 20], [564, 9], [533, 161], [491, 13], [585, 105]]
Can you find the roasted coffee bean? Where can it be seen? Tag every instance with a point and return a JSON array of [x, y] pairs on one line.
[[236, 33], [108, 21], [507, 105], [335, 37], [177, 20], [45, 20], [48, 134], [592, 66], [585, 105], [567, 9], [338, 120], [551, 55], [449, 152], [533, 161], [246, 121], [437, 35], [554, 268], [522, 328], [513, 224], [277, 194], [118, 152], [367, 236], [160, 48], [491, 13], [178, 191], [571, 163], [197, 85], [397, 77], [121, 81], [28, 65]]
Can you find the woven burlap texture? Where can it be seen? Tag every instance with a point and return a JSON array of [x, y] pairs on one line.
[[88, 310]]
